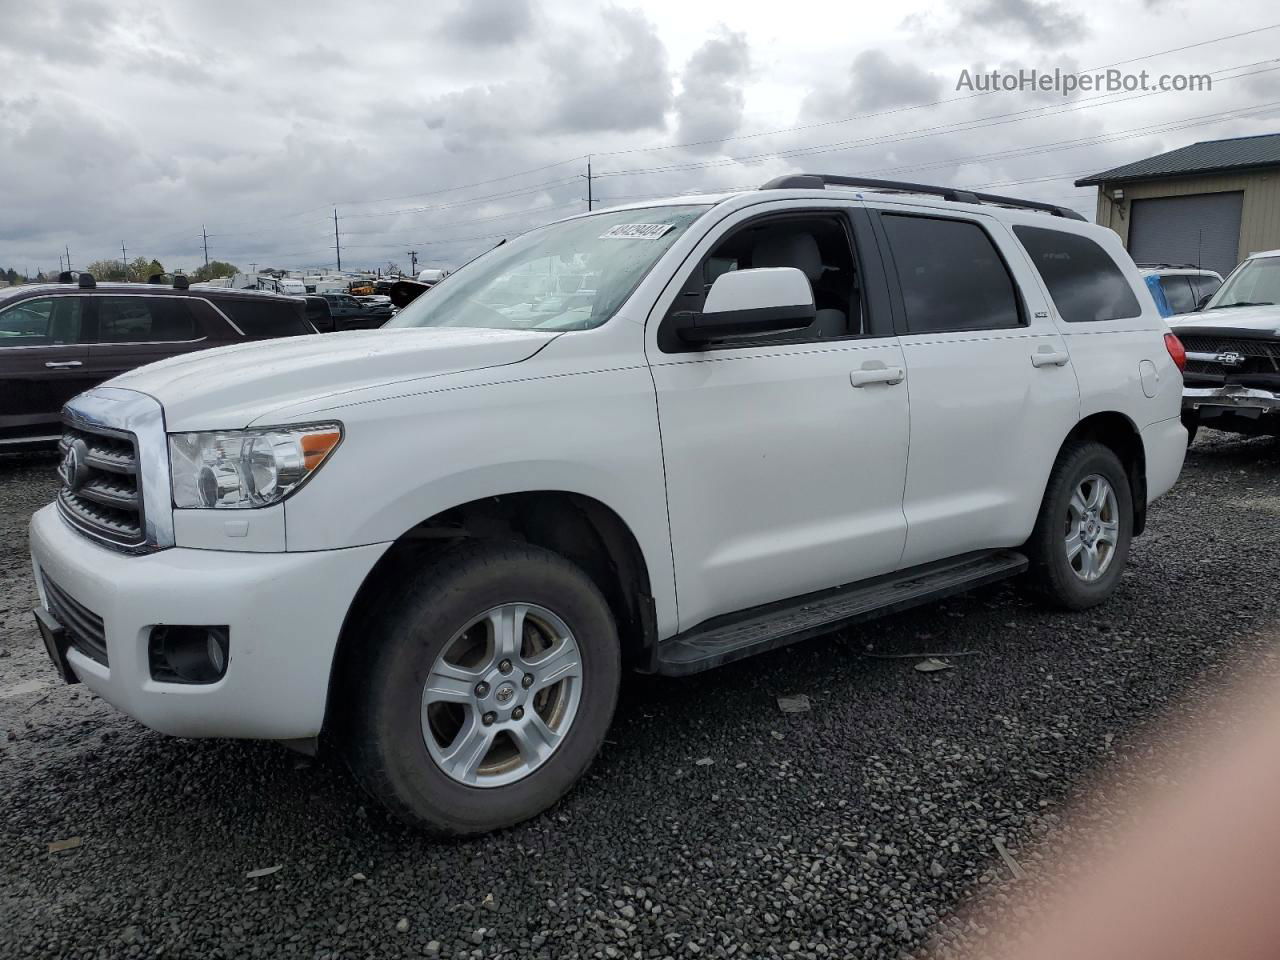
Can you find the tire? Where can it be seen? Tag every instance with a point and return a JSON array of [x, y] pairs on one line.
[[1059, 579], [398, 731]]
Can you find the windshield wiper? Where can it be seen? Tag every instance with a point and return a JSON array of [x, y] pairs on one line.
[[1243, 303]]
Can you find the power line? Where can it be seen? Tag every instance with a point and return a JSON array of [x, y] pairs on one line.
[[997, 119], [916, 106]]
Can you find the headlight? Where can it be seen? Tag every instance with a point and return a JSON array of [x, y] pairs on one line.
[[247, 468]]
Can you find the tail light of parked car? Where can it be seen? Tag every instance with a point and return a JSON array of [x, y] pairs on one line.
[[1176, 350]]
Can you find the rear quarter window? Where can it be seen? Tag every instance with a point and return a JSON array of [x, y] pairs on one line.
[[261, 319], [1085, 283]]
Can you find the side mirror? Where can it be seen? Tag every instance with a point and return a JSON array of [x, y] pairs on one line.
[[1200, 304], [746, 302]]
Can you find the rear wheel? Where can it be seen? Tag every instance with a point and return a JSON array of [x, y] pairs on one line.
[[1082, 536], [492, 681]]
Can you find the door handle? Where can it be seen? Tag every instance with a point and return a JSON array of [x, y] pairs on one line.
[[878, 374], [1048, 357], [63, 364]]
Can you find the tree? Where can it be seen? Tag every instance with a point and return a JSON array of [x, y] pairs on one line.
[[213, 270], [108, 270], [141, 269]]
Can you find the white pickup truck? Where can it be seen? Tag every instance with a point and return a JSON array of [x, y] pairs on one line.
[[658, 437]]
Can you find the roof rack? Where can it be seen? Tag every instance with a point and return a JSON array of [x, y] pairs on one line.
[[820, 181], [1166, 266]]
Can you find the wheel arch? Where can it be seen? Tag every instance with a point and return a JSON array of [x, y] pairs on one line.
[[580, 528], [1121, 435]]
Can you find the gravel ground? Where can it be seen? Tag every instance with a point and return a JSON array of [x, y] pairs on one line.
[[712, 824]]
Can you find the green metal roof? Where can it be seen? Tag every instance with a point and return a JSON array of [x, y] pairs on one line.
[[1208, 156]]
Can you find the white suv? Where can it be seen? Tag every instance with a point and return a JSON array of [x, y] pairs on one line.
[[660, 437]]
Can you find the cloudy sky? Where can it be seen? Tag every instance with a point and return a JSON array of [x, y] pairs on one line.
[[443, 127]]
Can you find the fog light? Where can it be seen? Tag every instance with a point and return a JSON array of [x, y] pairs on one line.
[[189, 654]]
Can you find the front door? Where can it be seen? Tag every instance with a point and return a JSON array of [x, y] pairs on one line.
[[43, 364], [785, 457]]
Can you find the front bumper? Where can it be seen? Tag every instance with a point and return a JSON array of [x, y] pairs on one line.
[[1230, 397], [284, 611]]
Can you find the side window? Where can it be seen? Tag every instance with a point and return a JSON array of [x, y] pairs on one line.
[[1177, 290], [46, 322], [1085, 283], [820, 246], [952, 276], [260, 319], [144, 320]]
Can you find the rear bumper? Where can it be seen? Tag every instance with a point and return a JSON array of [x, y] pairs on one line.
[[284, 612], [1165, 446]]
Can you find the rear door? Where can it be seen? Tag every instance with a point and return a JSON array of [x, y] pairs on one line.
[[43, 364], [990, 381], [136, 330]]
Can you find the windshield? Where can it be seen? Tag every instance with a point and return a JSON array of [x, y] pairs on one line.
[[571, 275], [1253, 283]]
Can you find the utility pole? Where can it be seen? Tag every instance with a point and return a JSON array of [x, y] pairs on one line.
[[68, 257], [413, 263], [337, 244], [205, 237], [253, 268], [60, 263], [589, 199], [124, 261]]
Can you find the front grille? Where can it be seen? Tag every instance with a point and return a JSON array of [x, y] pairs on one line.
[[83, 626], [101, 490], [1256, 356]]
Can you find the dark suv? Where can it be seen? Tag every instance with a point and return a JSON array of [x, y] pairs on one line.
[[59, 339]]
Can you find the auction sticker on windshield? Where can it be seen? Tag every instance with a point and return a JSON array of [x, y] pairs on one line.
[[636, 231]]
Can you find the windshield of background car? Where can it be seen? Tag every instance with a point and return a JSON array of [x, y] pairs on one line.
[[1254, 281], [572, 275]]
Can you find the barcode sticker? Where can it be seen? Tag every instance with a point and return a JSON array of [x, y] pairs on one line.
[[636, 231]]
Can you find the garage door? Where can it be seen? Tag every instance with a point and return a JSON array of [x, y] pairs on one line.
[[1201, 229]]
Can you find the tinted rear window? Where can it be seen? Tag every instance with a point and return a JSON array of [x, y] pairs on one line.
[[1177, 290], [267, 318], [1085, 283], [1204, 286], [952, 277], [144, 320]]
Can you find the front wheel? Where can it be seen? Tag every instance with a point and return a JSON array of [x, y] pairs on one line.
[[491, 682], [1082, 536]]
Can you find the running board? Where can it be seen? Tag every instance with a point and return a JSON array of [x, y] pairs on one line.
[[778, 624]]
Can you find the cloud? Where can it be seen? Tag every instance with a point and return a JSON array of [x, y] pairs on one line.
[[613, 78], [876, 82], [711, 100], [1043, 22], [489, 23]]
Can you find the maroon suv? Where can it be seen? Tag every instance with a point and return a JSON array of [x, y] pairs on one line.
[[59, 339]]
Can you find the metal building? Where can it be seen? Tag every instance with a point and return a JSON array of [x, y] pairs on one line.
[[1209, 204]]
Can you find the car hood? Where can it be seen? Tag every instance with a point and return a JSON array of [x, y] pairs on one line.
[[1255, 320], [230, 387]]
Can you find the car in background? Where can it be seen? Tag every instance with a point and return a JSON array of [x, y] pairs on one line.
[[1232, 378], [350, 313], [1179, 288], [432, 275], [60, 339]]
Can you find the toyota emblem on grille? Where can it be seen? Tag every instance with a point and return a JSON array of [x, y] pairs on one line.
[[73, 470], [1230, 358]]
